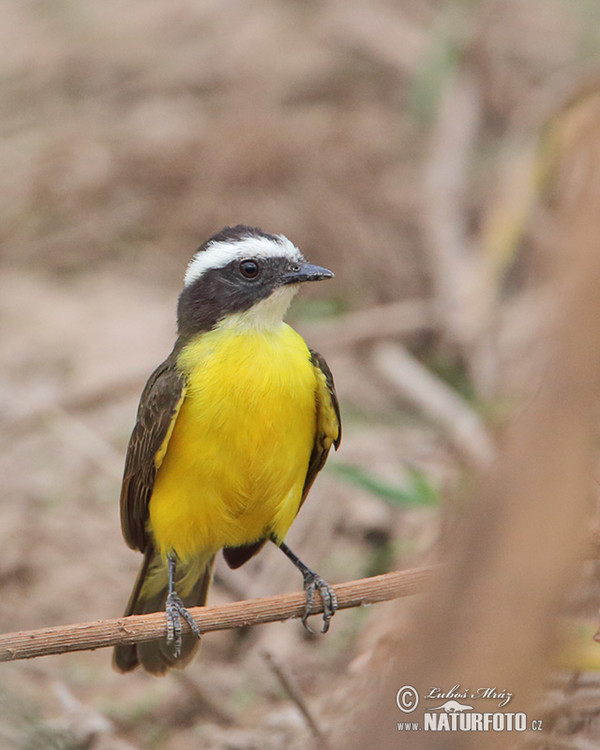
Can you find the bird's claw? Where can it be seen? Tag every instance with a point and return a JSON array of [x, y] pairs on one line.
[[312, 583], [176, 610]]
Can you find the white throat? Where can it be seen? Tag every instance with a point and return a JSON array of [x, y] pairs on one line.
[[266, 315]]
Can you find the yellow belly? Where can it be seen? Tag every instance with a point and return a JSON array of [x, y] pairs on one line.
[[237, 458]]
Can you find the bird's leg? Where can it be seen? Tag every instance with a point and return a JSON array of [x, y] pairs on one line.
[[175, 610], [312, 583]]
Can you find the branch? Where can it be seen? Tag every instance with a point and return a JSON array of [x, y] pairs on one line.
[[27, 644], [138, 628], [293, 690], [391, 320], [437, 400], [454, 265]]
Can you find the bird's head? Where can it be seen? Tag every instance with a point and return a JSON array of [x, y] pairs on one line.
[[242, 276]]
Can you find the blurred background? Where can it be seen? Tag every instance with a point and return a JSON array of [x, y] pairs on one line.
[[410, 146]]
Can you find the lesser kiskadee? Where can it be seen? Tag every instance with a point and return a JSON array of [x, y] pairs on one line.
[[232, 429]]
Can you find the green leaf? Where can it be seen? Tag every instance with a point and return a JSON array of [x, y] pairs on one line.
[[418, 491]]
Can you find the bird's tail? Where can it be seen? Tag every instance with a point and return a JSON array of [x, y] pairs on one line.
[[149, 595]]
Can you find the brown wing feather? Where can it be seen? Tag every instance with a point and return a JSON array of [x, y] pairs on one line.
[[329, 422], [157, 412]]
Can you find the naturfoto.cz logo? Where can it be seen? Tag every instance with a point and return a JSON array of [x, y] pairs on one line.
[[455, 716]]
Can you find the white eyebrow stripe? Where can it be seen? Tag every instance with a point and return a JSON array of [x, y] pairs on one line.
[[219, 254]]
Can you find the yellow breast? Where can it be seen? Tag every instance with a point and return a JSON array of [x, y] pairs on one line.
[[237, 458]]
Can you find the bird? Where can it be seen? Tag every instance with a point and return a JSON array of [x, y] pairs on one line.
[[231, 431]]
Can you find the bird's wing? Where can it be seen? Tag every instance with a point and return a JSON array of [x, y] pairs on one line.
[[329, 423], [157, 413]]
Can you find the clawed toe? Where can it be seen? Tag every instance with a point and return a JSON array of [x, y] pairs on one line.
[[312, 583], [175, 611]]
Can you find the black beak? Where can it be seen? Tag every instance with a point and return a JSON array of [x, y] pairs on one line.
[[296, 273]]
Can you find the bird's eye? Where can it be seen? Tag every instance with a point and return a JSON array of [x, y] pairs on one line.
[[294, 267], [249, 269]]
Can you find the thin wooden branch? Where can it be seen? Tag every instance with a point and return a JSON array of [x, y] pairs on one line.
[[137, 628], [295, 693], [455, 268], [437, 400], [392, 320], [105, 633]]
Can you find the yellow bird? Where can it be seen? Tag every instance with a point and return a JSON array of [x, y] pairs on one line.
[[232, 429]]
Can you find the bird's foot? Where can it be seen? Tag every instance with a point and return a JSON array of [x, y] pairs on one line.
[[175, 611], [312, 583]]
